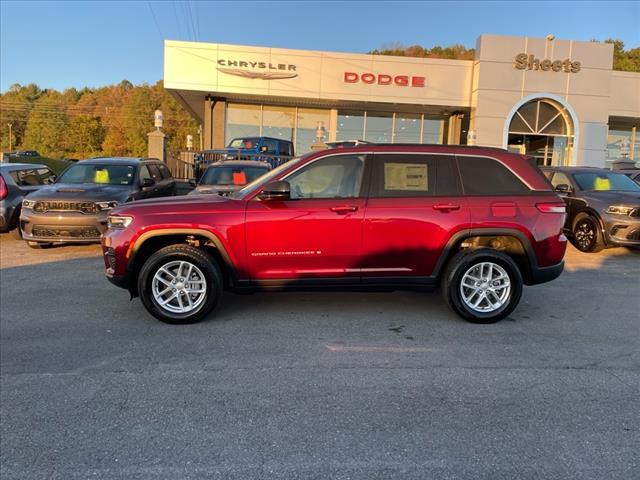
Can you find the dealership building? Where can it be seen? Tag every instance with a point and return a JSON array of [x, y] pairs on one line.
[[558, 100]]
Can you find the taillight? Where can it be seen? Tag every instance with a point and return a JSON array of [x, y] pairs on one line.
[[552, 207], [4, 191]]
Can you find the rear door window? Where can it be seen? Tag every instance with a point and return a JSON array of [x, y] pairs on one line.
[[155, 172], [405, 175], [487, 176], [164, 170], [26, 178]]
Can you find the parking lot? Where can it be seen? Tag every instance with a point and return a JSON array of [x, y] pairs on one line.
[[317, 385]]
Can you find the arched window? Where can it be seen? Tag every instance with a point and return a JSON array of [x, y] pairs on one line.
[[542, 128]]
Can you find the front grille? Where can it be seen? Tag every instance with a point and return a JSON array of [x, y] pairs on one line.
[[48, 231], [56, 206], [634, 236]]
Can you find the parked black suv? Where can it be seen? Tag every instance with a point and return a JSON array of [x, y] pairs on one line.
[[17, 180], [603, 206], [75, 208]]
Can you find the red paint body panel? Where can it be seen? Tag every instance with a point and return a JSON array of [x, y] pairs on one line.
[[406, 236], [348, 238], [304, 238]]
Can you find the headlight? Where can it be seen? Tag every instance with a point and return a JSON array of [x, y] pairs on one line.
[[106, 205], [28, 203], [621, 210], [118, 222]]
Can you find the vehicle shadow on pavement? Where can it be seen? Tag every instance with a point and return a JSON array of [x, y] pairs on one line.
[[608, 282]]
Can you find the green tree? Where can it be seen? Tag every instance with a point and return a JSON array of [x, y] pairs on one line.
[[85, 136], [46, 130]]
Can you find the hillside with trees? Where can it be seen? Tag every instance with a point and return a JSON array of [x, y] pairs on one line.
[[111, 120]]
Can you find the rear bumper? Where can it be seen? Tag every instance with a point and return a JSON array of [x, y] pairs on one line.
[[545, 274]]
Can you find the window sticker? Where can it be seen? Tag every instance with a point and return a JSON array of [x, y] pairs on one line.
[[406, 176]]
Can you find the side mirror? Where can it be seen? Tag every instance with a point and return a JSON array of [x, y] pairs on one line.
[[192, 182], [563, 188], [147, 182], [52, 179], [279, 190]]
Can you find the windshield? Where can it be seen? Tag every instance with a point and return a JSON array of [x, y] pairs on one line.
[[251, 187], [231, 175], [104, 174], [605, 181], [243, 143]]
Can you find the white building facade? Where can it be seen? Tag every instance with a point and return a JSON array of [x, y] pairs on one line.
[[558, 100]]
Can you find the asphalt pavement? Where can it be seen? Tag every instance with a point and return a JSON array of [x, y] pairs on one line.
[[316, 385]]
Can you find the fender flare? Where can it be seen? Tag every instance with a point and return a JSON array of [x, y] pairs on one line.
[[164, 232], [532, 261]]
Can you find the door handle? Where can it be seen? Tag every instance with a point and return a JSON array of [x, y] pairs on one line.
[[344, 209], [446, 207]]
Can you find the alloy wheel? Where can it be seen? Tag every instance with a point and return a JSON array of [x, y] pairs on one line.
[[179, 287], [585, 234], [485, 287]]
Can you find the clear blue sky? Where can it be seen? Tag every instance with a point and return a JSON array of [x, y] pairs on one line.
[[65, 44]]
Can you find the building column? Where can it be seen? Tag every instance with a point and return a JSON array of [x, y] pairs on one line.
[[454, 129], [207, 128], [219, 122], [214, 123]]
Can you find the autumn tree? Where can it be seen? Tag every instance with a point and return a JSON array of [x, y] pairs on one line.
[[46, 130], [85, 135]]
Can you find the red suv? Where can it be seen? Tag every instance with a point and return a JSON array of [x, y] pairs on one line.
[[479, 222]]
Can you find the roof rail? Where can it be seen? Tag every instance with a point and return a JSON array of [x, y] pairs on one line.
[[481, 147]]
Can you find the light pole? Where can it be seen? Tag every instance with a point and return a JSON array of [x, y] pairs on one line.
[[10, 142]]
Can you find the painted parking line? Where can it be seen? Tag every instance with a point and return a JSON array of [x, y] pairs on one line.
[[343, 348]]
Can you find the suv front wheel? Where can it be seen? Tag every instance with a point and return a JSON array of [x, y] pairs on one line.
[[483, 285], [180, 284]]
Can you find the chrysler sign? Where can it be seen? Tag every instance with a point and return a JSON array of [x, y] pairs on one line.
[[261, 70]]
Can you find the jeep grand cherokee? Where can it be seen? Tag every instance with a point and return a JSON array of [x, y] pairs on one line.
[[479, 222]]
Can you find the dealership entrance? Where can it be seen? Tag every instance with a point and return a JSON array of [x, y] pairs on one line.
[[543, 129]]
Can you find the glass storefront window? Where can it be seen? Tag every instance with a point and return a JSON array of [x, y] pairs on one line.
[[432, 131], [242, 121], [307, 124], [619, 144], [278, 122], [379, 127], [407, 128], [350, 125]]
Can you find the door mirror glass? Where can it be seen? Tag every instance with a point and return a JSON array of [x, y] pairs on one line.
[[563, 188], [279, 190]]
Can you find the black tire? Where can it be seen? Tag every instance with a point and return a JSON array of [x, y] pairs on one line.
[[587, 234], [194, 256], [465, 260], [39, 245]]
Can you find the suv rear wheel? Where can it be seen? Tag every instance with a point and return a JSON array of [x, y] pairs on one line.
[[483, 285], [180, 284]]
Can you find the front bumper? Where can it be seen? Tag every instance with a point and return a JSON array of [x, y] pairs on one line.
[[621, 230], [66, 227]]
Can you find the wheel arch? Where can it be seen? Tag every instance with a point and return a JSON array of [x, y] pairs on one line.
[[526, 259], [153, 240]]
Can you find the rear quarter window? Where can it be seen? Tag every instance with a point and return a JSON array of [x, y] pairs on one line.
[[26, 178], [487, 176]]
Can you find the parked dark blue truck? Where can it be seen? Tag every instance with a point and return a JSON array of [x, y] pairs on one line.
[[274, 151]]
